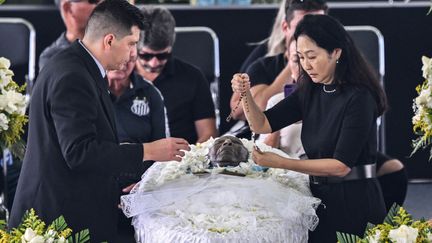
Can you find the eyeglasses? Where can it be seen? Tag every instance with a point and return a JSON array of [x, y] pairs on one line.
[[160, 56], [89, 1]]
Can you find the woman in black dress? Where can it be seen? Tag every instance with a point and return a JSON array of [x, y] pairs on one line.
[[338, 99]]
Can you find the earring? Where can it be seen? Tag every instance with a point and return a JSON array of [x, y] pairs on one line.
[[337, 61]]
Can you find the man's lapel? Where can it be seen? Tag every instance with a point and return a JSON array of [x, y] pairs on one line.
[[101, 83]]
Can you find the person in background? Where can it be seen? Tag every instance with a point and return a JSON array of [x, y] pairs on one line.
[[338, 100], [139, 107], [140, 118], [288, 138], [267, 79], [272, 45], [185, 90], [75, 14], [73, 154]]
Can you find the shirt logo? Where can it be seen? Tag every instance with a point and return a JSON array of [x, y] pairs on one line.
[[140, 107]]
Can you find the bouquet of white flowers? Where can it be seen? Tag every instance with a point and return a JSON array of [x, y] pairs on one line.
[[12, 110], [422, 120], [33, 230], [398, 227]]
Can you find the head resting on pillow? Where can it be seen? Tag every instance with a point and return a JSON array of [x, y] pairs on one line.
[[228, 151]]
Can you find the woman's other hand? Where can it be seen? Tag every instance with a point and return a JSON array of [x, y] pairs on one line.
[[266, 159]]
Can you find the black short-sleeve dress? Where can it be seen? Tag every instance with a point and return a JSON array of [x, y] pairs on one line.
[[338, 122]]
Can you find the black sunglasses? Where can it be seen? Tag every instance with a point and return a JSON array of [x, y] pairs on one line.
[[89, 1], [160, 56]]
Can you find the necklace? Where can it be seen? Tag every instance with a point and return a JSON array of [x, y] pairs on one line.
[[328, 91], [254, 136]]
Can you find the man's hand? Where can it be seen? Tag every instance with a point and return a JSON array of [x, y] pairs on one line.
[[128, 188], [166, 149]]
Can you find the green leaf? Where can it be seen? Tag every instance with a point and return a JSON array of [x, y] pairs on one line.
[[82, 237], [2, 1], [3, 224], [347, 238], [369, 226], [18, 149], [391, 214], [59, 224]]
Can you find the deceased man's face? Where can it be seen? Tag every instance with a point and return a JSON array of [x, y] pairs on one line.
[[228, 151]]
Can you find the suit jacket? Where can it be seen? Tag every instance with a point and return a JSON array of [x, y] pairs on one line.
[[73, 155]]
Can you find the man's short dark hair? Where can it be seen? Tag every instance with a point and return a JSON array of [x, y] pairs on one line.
[[116, 17], [161, 31], [305, 5]]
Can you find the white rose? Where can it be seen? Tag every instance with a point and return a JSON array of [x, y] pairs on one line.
[[38, 239], [422, 98], [5, 77], [13, 102], [427, 67], [4, 121], [429, 102], [403, 234], [4, 63], [29, 234]]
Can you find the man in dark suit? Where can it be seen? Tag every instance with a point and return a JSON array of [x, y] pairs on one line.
[[73, 155]]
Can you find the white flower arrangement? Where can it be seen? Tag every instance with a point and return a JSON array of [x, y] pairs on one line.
[[422, 106], [12, 110], [398, 227], [33, 230]]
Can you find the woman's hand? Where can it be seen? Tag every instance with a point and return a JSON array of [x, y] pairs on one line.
[[267, 159], [240, 83]]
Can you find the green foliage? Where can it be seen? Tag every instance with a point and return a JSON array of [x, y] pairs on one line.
[[18, 149], [2, 1], [3, 224], [30, 220], [14, 132], [59, 224], [369, 226], [82, 236], [391, 214], [347, 238]]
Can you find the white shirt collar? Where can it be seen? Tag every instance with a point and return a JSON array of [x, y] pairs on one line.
[[101, 69]]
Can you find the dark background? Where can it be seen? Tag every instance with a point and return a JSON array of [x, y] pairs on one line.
[[407, 35]]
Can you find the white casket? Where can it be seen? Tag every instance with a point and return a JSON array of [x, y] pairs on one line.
[[178, 202]]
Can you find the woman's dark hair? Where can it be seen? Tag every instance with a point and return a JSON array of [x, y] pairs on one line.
[[352, 67]]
